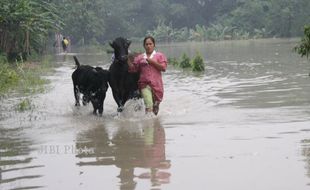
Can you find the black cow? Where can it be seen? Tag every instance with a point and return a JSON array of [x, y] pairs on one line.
[[92, 82], [124, 84]]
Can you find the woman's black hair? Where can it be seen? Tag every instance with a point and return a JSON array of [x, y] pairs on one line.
[[149, 37]]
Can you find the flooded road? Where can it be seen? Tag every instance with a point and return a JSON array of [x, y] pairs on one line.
[[242, 124]]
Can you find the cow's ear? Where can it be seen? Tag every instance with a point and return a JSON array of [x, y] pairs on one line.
[[111, 44], [128, 42]]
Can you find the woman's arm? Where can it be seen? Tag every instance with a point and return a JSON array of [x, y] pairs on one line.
[[131, 67], [161, 64]]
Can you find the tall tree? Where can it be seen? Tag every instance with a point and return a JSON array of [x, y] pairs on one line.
[[24, 25]]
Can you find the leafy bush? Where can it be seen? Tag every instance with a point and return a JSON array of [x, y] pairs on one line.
[[25, 26], [197, 63], [8, 77], [185, 61], [303, 49], [24, 105], [173, 61]]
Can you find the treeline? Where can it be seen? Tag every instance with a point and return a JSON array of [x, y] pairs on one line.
[[26, 24], [91, 21]]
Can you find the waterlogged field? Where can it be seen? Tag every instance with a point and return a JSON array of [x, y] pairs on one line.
[[242, 124]]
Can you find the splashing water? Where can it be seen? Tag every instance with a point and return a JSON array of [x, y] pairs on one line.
[[133, 109]]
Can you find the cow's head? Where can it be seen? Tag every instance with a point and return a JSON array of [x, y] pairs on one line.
[[120, 46]]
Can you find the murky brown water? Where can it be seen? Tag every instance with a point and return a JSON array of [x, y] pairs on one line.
[[243, 124]]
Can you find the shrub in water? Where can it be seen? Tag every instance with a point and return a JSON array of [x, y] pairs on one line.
[[197, 63], [185, 61], [173, 61], [303, 49], [24, 105]]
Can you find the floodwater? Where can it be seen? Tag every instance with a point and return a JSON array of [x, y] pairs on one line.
[[242, 124]]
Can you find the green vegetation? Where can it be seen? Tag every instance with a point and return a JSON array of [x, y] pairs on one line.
[[23, 77], [303, 49], [173, 61], [26, 24], [8, 77], [196, 64], [24, 105], [24, 27], [185, 61], [89, 21]]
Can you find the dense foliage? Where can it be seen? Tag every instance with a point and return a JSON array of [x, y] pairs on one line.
[[179, 20], [25, 24]]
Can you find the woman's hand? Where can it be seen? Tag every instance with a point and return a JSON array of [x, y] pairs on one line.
[[155, 64], [130, 62], [149, 60]]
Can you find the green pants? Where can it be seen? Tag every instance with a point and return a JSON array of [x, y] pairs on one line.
[[147, 96]]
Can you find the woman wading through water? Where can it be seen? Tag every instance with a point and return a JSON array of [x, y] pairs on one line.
[[150, 65]]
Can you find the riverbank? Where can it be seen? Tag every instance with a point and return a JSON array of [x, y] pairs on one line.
[[24, 78]]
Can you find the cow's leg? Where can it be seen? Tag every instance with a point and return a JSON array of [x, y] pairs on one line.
[[117, 100], [87, 94], [100, 109], [76, 95], [120, 108], [101, 102], [85, 99], [94, 103], [126, 97], [136, 94]]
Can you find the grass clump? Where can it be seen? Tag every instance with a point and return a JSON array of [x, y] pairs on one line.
[[185, 61], [196, 64], [8, 77], [24, 105], [23, 77]]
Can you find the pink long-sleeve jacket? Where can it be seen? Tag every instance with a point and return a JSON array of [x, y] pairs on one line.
[[149, 75]]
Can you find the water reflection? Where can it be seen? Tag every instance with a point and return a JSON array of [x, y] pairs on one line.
[[16, 162], [129, 146]]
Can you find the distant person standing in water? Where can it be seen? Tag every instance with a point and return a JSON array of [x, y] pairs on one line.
[[150, 65], [65, 44]]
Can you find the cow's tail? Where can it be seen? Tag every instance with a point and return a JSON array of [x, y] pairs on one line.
[[77, 63]]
